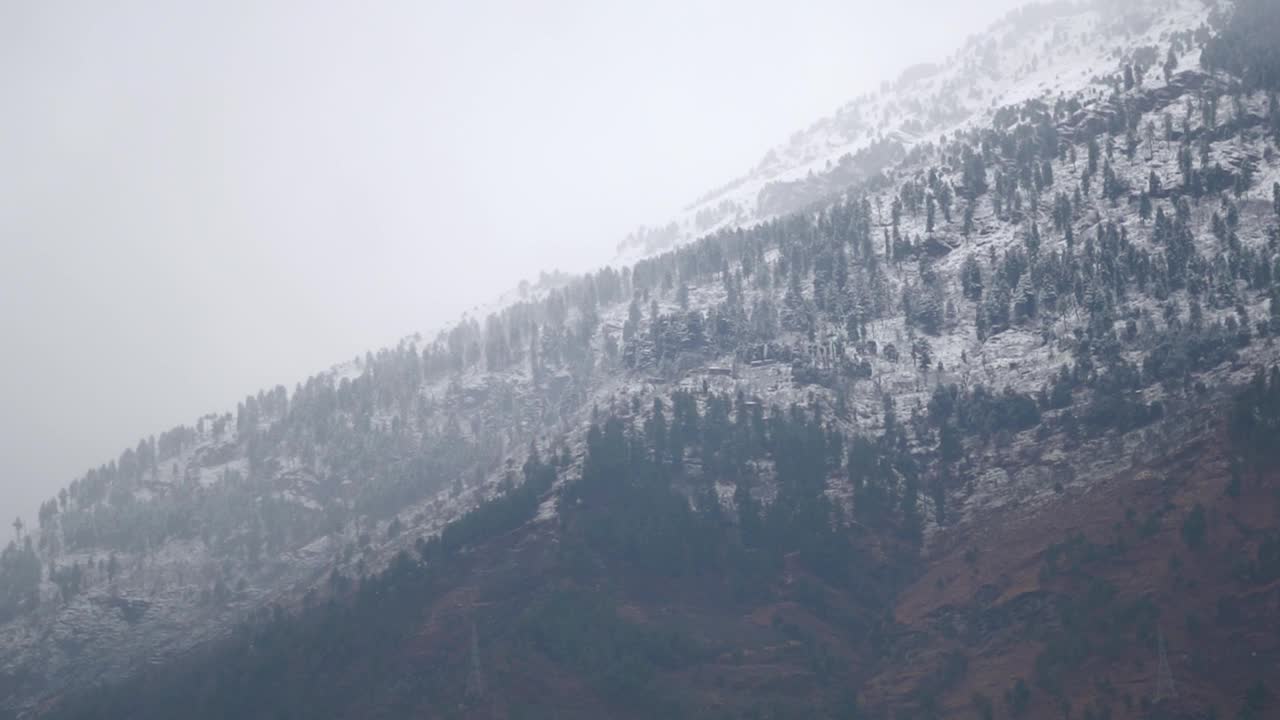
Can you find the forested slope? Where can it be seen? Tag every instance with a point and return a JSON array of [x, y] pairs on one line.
[[963, 439]]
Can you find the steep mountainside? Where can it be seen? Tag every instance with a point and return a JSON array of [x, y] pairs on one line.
[[985, 429], [1044, 51]]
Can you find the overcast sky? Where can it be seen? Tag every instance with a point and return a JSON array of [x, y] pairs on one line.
[[200, 199]]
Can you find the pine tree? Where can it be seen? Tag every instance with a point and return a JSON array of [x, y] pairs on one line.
[[1024, 300], [1112, 186], [922, 353], [975, 173], [1273, 114], [1033, 239], [1275, 311], [996, 303], [971, 278], [944, 200]]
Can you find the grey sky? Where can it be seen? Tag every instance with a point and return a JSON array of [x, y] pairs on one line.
[[201, 199]]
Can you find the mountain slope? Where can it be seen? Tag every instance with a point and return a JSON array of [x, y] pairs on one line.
[[836, 459], [1044, 51], [555, 619]]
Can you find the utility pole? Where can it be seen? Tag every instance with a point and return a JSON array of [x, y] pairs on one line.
[[475, 682], [1165, 689]]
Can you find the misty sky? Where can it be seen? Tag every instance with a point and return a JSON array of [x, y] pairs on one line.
[[198, 200]]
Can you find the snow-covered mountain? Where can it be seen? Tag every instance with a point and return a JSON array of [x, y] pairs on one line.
[[1017, 281], [1043, 51]]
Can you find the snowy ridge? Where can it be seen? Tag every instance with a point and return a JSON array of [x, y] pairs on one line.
[[1045, 50]]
